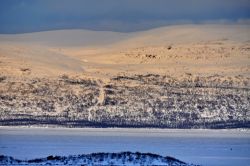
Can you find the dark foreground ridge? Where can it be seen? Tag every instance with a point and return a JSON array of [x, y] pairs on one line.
[[127, 101], [123, 158]]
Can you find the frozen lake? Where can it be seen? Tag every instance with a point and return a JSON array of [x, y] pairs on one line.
[[206, 147]]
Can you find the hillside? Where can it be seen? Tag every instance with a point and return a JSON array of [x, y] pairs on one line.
[[185, 76]]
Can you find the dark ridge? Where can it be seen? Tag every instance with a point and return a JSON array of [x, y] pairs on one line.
[[126, 156]]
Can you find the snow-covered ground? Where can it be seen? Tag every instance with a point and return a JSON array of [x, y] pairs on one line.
[[206, 147]]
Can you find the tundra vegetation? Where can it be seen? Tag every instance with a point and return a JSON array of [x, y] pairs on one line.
[[148, 100], [123, 158]]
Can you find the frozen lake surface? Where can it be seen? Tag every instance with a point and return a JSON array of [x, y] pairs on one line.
[[206, 147]]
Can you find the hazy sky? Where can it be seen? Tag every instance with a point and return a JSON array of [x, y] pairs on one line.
[[18, 16]]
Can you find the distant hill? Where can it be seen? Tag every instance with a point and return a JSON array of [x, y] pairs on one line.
[[169, 34]]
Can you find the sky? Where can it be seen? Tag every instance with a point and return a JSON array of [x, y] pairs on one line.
[[19, 16]]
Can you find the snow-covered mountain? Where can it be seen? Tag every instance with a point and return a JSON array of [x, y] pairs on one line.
[[194, 76]]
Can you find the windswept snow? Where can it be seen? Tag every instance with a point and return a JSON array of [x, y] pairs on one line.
[[204, 147]]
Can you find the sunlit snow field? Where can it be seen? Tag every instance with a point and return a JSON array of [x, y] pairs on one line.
[[206, 147]]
